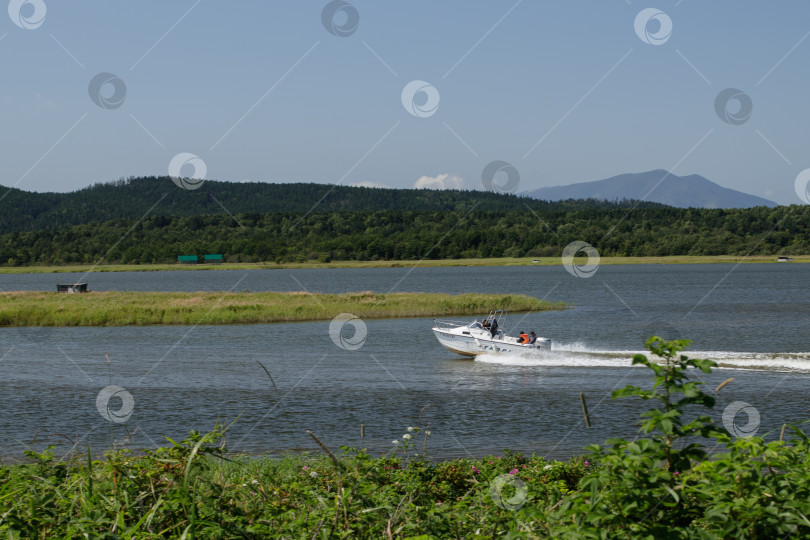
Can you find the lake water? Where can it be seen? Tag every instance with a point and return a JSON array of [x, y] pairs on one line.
[[752, 319]]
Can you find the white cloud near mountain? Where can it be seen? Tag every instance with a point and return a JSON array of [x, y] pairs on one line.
[[441, 181]]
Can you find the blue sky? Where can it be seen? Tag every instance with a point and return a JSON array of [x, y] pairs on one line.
[[564, 91]]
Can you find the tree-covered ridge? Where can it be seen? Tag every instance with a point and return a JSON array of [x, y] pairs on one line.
[[413, 235], [134, 198]]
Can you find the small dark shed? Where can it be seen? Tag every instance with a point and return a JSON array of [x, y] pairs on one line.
[[71, 287]]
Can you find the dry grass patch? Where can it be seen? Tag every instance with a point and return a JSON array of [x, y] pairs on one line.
[[147, 308]]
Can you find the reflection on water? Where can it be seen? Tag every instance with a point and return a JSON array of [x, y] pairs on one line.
[[181, 378]]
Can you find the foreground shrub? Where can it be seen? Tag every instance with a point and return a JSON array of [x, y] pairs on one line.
[[664, 485]]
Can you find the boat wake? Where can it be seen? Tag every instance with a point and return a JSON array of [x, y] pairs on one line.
[[580, 355]]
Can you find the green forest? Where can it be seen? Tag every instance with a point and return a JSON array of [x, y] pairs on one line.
[[135, 198], [414, 235]]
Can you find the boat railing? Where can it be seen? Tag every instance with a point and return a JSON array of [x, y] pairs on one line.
[[448, 325]]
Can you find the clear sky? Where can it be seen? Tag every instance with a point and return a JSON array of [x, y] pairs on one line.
[[565, 91]]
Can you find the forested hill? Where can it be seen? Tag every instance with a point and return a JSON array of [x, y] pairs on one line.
[[414, 235], [134, 198]]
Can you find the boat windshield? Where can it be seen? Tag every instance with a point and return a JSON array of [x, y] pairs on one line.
[[476, 324]]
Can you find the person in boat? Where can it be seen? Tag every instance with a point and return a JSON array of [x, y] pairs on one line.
[[532, 339], [493, 326], [485, 323], [524, 338]]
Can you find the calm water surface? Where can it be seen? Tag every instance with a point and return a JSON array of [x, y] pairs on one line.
[[752, 319]]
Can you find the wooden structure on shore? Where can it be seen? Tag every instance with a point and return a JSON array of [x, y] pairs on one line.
[[71, 287]]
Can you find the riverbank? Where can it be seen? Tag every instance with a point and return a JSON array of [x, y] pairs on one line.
[[194, 489], [502, 261], [31, 308]]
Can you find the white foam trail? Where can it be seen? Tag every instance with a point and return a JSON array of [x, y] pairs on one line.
[[562, 357], [779, 361], [581, 347], [580, 355]]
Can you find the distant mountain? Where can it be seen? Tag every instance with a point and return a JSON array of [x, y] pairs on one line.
[[159, 196], [693, 191]]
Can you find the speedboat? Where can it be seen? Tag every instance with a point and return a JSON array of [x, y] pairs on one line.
[[479, 337]]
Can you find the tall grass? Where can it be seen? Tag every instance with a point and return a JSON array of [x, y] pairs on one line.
[[149, 308], [194, 489]]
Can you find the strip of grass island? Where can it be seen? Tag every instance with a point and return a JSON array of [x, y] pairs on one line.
[[33, 308]]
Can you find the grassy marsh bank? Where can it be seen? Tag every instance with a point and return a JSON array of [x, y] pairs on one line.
[[27, 308], [501, 261], [194, 490]]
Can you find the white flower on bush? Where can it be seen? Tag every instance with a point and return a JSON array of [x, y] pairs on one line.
[[406, 436], [394, 442], [427, 432], [411, 429], [313, 474]]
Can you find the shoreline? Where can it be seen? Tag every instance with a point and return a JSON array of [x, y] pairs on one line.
[[502, 261], [113, 308]]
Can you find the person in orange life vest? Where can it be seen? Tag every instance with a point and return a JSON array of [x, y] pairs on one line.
[[524, 337]]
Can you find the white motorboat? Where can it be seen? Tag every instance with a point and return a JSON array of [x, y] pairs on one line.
[[484, 336]]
